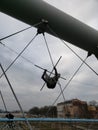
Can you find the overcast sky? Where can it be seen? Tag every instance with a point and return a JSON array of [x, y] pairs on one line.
[[26, 78]]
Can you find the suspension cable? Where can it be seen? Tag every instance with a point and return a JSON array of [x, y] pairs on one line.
[[69, 81], [15, 97], [51, 58], [3, 102], [20, 31], [53, 67], [15, 33], [81, 59], [72, 50], [61, 91], [48, 50], [19, 55], [53, 64]]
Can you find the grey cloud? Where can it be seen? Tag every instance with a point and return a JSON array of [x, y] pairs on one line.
[[26, 78]]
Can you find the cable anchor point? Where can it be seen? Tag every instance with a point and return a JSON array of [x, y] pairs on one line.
[[42, 27]]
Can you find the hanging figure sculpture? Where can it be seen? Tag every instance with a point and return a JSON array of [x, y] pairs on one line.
[[50, 81]]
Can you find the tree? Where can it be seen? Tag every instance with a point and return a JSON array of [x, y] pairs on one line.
[[34, 111], [47, 111], [93, 103]]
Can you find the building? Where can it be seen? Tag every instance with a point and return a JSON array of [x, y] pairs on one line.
[[93, 111], [72, 108]]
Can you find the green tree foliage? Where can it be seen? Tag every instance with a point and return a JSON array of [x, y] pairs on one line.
[[46, 111], [34, 111]]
